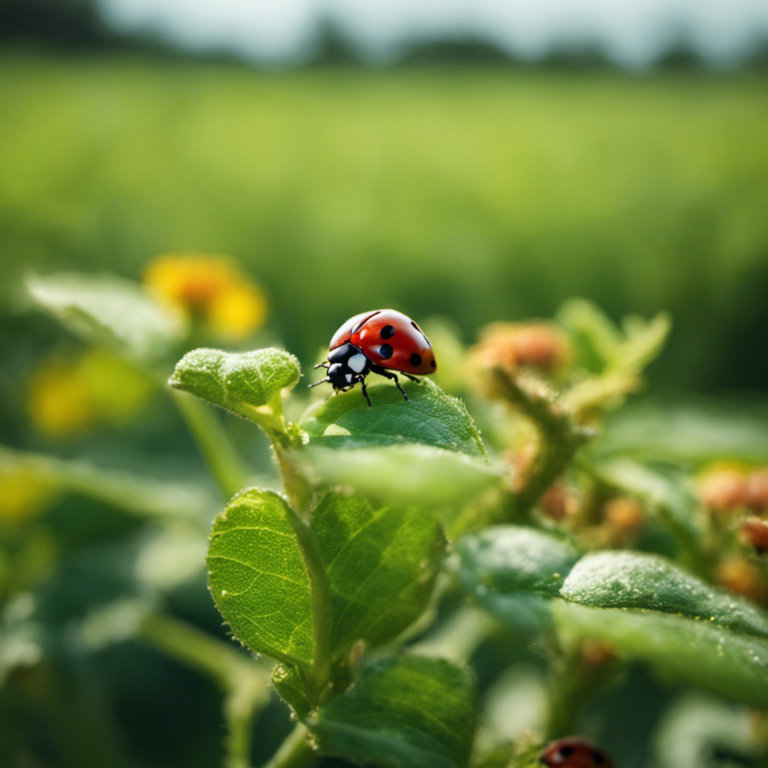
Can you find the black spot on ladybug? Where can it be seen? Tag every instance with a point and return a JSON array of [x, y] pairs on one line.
[[415, 360], [385, 351], [566, 751], [597, 758], [387, 332], [415, 326], [433, 364]]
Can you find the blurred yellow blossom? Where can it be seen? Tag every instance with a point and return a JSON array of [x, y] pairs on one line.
[[22, 494], [58, 399], [67, 397], [211, 289]]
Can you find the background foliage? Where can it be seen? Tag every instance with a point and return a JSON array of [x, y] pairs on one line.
[[473, 194]]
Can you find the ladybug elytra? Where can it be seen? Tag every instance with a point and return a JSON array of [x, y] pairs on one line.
[[575, 752], [378, 342]]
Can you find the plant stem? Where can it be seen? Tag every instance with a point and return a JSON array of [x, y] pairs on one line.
[[136, 495], [574, 682], [294, 752], [321, 602], [245, 683], [559, 436], [226, 466]]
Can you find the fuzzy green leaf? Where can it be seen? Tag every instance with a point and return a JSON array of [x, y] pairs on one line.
[[240, 383], [429, 416], [404, 712], [408, 473], [107, 310], [257, 577], [639, 580], [509, 558], [288, 683], [512, 570], [382, 563], [639, 603]]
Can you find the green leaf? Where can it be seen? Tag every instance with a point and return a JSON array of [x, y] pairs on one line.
[[594, 331], [698, 652], [429, 416], [510, 570], [639, 580], [240, 383], [404, 712], [509, 558], [644, 340], [382, 563], [104, 309], [424, 451], [257, 577], [288, 683], [641, 604], [408, 473], [698, 433]]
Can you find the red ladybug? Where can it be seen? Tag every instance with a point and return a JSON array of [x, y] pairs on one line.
[[379, 342], [575, 752]]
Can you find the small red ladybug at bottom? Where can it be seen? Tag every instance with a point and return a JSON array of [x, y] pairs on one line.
[[575, 752], [380, 341]]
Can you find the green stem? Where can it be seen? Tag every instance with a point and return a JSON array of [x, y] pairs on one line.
[[294, 751], [559, 437], [226, 466], [244, 682], [136, 495], [574, 682], [272, 421], [320, 604]]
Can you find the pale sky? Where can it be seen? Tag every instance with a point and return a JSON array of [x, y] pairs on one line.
[[633, 31]]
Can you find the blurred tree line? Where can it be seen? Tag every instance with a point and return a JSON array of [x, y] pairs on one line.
[[78, 25]]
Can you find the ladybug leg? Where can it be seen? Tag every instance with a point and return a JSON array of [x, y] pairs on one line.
[[365, 391], [389, 375], [408, 376], [324, 364]]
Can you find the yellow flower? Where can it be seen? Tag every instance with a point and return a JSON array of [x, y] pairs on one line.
[[68, 397], [22, 493], [59, 401], [211, 289]]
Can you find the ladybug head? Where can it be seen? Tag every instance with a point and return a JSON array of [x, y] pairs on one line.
[[347, 365], [575, 752]]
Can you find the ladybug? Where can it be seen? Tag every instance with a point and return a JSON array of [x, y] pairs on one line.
[[379, 342], [575, 752]]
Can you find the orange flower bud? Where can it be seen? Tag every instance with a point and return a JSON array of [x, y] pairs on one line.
[[744, 578], [756, 490], [558, 502], [723, 490], [623, 517], [754, 532]]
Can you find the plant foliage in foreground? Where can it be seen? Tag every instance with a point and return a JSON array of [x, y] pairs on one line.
[[400, 542]]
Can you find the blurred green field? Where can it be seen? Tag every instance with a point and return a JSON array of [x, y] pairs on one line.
[[476, 194]]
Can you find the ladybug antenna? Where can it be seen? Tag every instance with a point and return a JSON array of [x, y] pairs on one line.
[[322, 381], [320, 365]]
